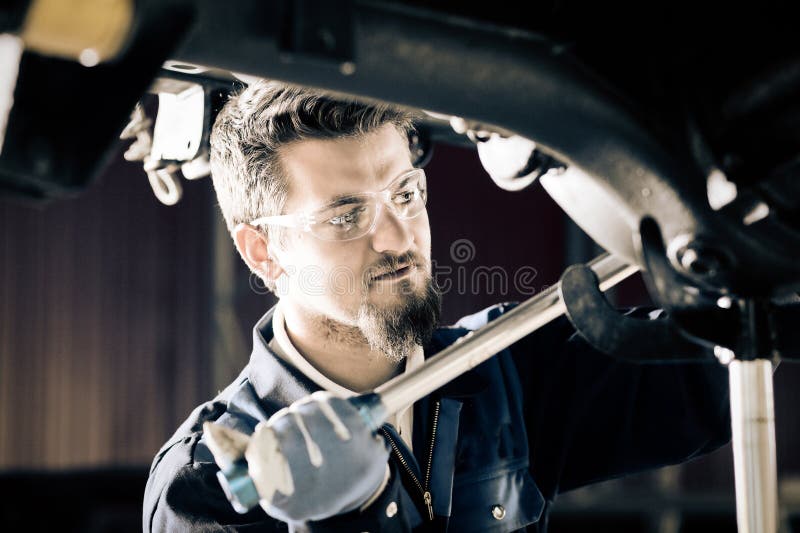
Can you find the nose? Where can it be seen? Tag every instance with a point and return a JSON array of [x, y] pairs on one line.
[[391, 233]]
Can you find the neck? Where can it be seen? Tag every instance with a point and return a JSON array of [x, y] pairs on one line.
[[338, 351]]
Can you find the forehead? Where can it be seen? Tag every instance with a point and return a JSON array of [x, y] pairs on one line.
[[320, 169]]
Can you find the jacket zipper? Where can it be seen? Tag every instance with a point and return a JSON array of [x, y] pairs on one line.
[[427, 497]]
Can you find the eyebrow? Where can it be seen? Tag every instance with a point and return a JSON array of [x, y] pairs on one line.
[[352, 197], [343, 199]]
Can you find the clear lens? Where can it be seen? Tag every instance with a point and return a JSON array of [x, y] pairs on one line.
[[354, 216], [409, 197], [346, 221]]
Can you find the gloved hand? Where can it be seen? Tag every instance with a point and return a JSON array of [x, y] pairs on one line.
[[315, 459]]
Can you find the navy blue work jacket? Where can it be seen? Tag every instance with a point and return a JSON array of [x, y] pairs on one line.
[[546, 415]]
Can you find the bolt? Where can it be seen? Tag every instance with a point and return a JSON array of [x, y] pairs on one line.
[[724, 302], [698, 260], [724, 355]]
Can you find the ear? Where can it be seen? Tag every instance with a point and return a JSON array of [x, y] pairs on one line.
[[254, 247]]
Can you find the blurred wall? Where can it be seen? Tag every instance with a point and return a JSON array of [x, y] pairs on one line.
[[104, 322]]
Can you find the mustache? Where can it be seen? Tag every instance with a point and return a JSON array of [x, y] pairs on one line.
[[390, 263]]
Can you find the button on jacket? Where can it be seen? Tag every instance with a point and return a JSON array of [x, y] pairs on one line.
[[492, 449]]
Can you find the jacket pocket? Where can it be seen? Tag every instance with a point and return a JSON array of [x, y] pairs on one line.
[[503, 500]]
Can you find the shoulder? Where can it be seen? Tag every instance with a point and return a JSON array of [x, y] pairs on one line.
[[484, 316], [447, 335], [556, 332]]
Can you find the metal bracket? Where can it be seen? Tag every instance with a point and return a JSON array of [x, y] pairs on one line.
[[618, 335], [176, 141], [179, 125], [512, 161]]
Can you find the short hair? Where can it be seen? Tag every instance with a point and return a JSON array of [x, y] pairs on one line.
[[255, 123]]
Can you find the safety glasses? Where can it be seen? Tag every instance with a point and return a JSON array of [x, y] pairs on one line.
[[354, 215]]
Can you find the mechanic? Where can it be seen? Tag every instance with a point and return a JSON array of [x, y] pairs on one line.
[[325, 206]]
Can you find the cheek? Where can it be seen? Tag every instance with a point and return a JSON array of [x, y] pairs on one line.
[[307, 264], [343, 266], [422, 233], [344, 276]]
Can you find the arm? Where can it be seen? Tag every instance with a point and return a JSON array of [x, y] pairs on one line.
[[183, 495], [591, 417], [193, 501]]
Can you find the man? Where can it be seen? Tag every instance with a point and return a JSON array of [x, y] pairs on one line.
[[325, 206]]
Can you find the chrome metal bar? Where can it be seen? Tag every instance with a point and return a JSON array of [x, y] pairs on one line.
[[753, 424], [480, 345]]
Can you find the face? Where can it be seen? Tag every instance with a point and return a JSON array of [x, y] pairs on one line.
[[379, 284]]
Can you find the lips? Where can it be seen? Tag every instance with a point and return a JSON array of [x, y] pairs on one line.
[[393, 274]]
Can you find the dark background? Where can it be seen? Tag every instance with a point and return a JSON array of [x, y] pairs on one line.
[[118, 315]]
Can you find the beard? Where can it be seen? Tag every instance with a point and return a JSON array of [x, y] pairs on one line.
[[396, 330]]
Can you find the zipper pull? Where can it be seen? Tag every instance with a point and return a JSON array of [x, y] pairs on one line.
[[429, 502]]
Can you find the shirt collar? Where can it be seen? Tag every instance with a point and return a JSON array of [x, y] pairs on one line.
[[280, 379], [283, 347], [273, 378]]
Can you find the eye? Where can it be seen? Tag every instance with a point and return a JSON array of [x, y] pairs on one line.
[[346, 219], [404, 197]]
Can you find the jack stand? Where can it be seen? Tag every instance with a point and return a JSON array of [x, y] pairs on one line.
[[753, 424]]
